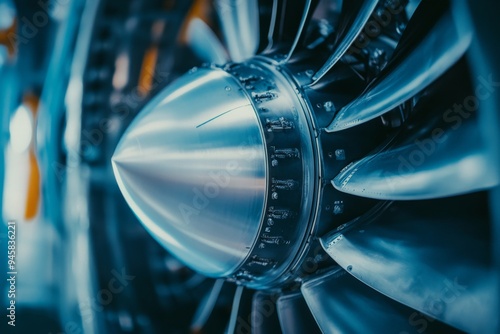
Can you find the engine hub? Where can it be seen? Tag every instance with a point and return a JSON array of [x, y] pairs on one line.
[[222, 169]]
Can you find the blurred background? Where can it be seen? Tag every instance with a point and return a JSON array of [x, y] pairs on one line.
[[73, 74]]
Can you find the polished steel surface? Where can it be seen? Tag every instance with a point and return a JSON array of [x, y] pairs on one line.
[[205, 43], [425, 164], [294, 315], [240, 27], [342, 304], [272, 25], [433, 256], [292, 168], [230, 168], [409, 74], [353, 19], [192, 167]]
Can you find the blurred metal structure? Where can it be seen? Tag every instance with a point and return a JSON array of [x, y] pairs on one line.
[[281, 165]]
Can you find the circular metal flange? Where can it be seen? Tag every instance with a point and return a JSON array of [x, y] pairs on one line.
[[292, 174]]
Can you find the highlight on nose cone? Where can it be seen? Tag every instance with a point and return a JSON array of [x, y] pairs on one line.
[[192, 167]]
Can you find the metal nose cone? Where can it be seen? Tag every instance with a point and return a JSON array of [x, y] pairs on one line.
[[192, 166]]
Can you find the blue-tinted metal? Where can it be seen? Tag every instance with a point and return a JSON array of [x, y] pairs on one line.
[[192, 166], [406, 77]]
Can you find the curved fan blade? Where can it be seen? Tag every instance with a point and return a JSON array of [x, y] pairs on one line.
[[294, 315], [422, 22], [426, 256], [306, 15], [240, 26], [205, 43], [342, 304], [288, 22], [264, 314], [206, 307], [353, 18], [241, 319], [424, 163], [409, 73]]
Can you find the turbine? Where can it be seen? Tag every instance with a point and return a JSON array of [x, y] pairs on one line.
[[340, 138]]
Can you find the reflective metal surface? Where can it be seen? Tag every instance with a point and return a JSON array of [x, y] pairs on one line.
[[409, 74], [353, 18], [291, 178], [423, 163], [240, 26], [240, 316], [193, 168], [295, 317], [249, 210], [307, 12], [206, 306], [342, 304], [274, 19], [427, 256], [221, 176], [288, 25], [237, 307], [205, 43]]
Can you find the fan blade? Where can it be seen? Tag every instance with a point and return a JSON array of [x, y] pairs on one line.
[[409, 73], [307, 13], [422, 22], [295, 316], [426, 256], [288, 21], [241, 319], [342, 304], [206, 307], [264, 314], [205, 43], [422, 164], [353, 18], [240, 27]]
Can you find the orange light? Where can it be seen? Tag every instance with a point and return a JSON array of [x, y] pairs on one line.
[[147, 70], [8, 38], [200, 9], [34, 195]]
